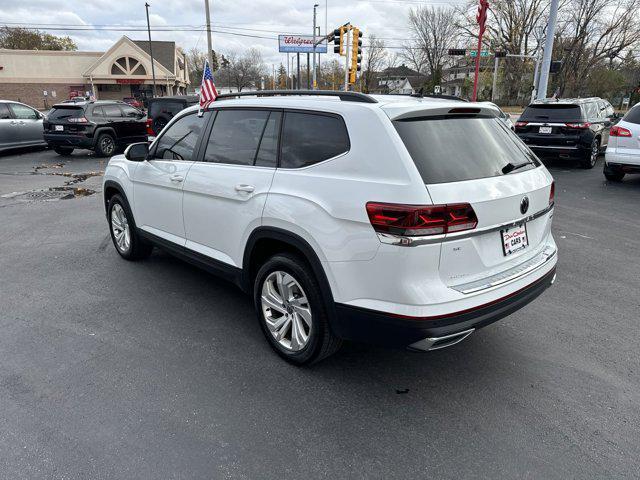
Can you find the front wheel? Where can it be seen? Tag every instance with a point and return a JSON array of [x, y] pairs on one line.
[[124, 233], [292, 312]]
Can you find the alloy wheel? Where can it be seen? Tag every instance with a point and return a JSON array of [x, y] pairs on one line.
[[286, 310], [107, 145], [120, 228], [595, 150]]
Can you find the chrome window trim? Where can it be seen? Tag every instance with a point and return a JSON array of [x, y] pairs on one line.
[[406, 241]]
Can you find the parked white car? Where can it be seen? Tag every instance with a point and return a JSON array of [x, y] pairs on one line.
[[409, 222], [504, 116], [623, 151]]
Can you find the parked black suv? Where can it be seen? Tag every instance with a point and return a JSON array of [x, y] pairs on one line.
[[102, 126], [162, 109], [567, 128]]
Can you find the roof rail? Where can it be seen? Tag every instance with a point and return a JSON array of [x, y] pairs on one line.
[[344, 96]]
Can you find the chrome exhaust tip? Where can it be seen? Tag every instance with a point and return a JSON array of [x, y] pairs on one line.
[[553, 280], [436, 343]]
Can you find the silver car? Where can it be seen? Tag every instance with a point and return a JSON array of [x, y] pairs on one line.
[[20, 126]]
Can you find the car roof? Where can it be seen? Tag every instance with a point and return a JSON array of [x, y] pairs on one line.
[[88, 102], [567, 101], [394, 106], [188, 98]]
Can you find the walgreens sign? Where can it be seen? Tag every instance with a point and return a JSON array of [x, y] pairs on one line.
[[300, 43]]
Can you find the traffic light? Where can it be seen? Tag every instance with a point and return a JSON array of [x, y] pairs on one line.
[[555, 66], [500, 54], [457, 52], [338, 39], [356, 54]]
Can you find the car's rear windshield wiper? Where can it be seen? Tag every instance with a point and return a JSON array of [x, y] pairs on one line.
[[510, 167]]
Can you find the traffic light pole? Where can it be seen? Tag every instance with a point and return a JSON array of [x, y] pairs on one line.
[[347, 60], [548, 50]]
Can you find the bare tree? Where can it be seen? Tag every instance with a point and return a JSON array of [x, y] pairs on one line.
[[434, 31], [245, 71], [374, 58]]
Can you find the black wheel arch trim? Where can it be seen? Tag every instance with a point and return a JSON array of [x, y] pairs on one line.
[[115, 185]]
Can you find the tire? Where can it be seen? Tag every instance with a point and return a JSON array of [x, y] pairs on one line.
[[105, 145], [592, 156], [304, 294], [613, 175], [65, 151], [124, 232]]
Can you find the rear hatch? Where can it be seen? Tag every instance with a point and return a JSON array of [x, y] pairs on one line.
[[65, 119], [552, 124], [477, 160]]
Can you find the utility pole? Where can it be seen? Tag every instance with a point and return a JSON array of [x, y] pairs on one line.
[[298, 77], [548, 50], [536, 78], [153, 70], [481, 18], [315, 6], [286, 84], [347, 59], [308, 72], [209, 45], [495, 79]]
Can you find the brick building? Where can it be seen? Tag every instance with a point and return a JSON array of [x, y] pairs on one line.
[[122, 71]]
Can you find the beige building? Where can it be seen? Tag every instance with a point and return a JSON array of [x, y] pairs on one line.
[[41, 77]]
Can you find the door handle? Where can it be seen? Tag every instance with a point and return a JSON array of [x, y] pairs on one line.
[[176, 178], [13, 122], [243, 187]]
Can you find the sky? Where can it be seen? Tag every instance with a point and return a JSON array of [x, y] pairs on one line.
[[236, 24]]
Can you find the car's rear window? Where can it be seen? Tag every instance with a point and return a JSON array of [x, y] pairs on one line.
[[64, 113], [456, 149], [551, 113], [167, 107], [633, 115]]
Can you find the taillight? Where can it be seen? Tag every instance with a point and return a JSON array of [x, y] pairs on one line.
[[578, 126], [617, 131], [522, 124], [417, 220], [149, 127], [78, 120], [552, 193]]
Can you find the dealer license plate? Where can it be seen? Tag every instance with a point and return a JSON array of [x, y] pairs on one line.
[[514, 239], [545, 130], [59, 128]]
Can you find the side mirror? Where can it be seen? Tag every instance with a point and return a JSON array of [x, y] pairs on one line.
[[137, 152]]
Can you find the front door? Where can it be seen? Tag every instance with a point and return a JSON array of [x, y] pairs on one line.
[[224, 194], [158, 181]]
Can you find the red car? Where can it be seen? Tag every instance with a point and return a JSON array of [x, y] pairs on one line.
[[134, 102]]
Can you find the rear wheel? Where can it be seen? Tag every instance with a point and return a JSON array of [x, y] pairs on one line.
[[613, 174], [124, 232], [592, 155], [291, 311], [105, 145], [63, 150]]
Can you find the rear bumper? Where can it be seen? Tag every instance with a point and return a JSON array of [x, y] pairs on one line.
[[370, 326], [626, 163], [63, 140], [560, 151]]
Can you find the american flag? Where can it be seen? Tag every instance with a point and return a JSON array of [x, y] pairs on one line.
[[208, 92]]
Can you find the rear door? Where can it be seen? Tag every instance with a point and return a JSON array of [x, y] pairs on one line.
[[158, 181], [224, 194], [29, 123], [481, 162]]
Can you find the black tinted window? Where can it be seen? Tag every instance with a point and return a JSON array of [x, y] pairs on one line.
[[165, 107], [633, 115], [235, 136], [268, 150], [309, 138], [4, 111], [129, 111], [551, 113], [97, 112], [63, 113], [179, 141], [111, 111], [457, 149]]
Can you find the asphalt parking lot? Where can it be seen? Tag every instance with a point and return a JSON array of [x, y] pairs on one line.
[[111, 369]]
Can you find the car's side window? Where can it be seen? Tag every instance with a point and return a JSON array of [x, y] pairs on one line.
[[235, 136], [179, 141], [97, 112], [111, 111], [5, 114], [129, 111], [22, 112], [309, 138]]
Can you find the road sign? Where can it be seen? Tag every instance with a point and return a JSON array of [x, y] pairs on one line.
[[437, 90], [474, 53], [300, 44], [45, 93]]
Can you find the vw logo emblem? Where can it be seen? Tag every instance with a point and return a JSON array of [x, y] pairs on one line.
[[524, 205]]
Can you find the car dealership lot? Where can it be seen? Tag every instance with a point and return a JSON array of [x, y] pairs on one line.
[[111, 369]]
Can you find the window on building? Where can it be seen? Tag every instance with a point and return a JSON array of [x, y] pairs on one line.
[[127, 66]]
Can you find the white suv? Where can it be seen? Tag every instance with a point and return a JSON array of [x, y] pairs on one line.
[[395, 220]]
